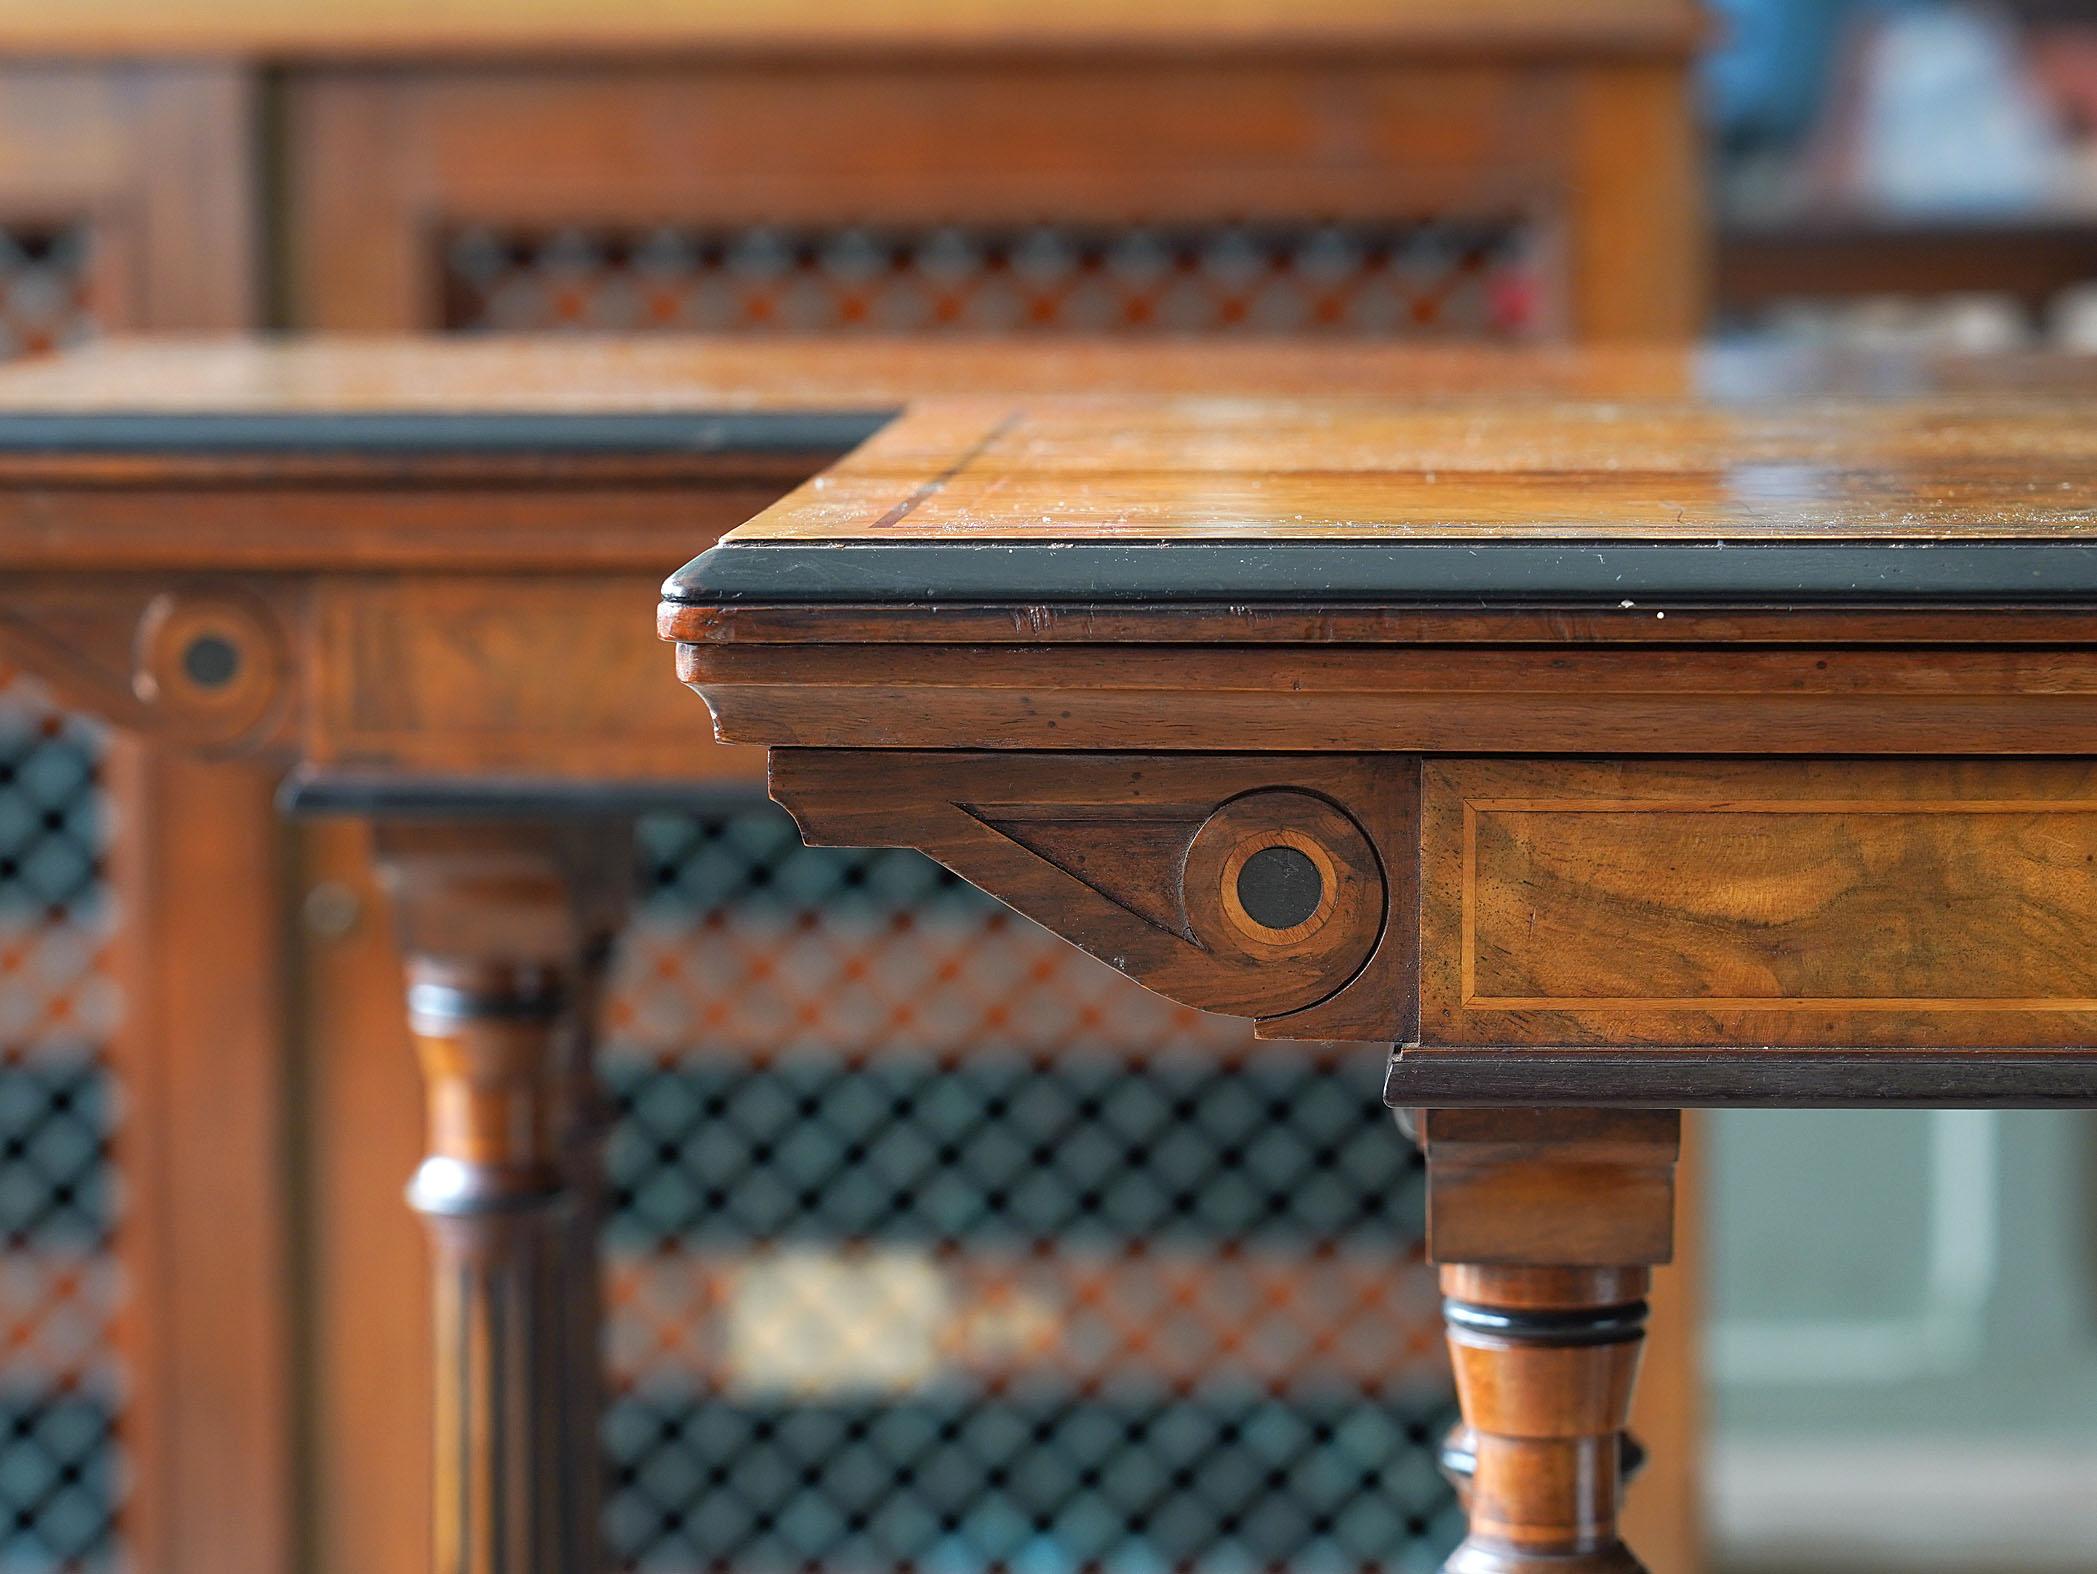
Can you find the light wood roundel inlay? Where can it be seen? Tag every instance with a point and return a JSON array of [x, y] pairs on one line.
[[1315, 893]]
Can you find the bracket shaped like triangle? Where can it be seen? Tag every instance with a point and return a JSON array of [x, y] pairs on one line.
[[1277, 887]]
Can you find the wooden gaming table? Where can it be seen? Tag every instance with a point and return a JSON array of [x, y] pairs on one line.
[[411, 582], [1604, 751]]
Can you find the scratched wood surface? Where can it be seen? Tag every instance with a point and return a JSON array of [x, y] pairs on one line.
[[1841, 902], [2003, 464]]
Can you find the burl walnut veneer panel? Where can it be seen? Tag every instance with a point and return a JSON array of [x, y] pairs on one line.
[[1765, 902]]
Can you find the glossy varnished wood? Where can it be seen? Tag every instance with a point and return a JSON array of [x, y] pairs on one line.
[[1908, 903], [1652, 868], [1141, 860], [1572, 123], [158, 494], [1703, 465], [506, 927], [149, 166], [396, 604], [1548, 1224], [288, 459], [385, 575], [384, 129], [1817, 696], [322, 375], [1266, 596], [303, 461]]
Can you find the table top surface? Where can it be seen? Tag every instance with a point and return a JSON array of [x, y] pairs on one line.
[[1786, 484], [329, 28], [1071, 471], [212, 376], [188, 401]]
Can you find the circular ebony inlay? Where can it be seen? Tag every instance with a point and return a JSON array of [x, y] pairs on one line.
[[1279, 887], [210, 661]]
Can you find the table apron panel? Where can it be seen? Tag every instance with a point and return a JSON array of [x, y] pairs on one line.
[[1904, 903], [470, 675]]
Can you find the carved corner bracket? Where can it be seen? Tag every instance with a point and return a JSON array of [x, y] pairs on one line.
[[205, 666], [1279, 887]]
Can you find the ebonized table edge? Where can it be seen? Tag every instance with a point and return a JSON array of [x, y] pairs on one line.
[[383, 433], [324, 792], [753, 573], [1737, 1079]]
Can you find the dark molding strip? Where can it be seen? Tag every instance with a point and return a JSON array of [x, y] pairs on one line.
[[1384, 572], [317, 794], [1552, 1328], [440, 1004], [438, 433], [448, 1189], [1686, 1079]]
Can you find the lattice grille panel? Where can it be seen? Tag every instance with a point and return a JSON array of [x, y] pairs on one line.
[[1460, 278], [938, 1244], [60, 1383]]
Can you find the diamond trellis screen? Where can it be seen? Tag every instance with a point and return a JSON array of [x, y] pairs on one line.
[[1459, 278], [60, 1288], [937, 1244], [59, 1376]]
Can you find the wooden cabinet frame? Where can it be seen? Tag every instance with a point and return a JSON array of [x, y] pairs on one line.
[[1596, 151]]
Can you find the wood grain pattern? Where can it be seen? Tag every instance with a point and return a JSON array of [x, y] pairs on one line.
[[151, 162], [365, 1264], [487, 597], [1640, 696], [441, 676], [1134, 859], [75, 506], [1752, 903], [1547, 1224], [1570, 116], [506, 928], [2003, 466], [208, 1229], [1596, 147], [345, 373]]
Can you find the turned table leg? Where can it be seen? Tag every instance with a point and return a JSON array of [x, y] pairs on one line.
[[505, 927], [1546, 1224]]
